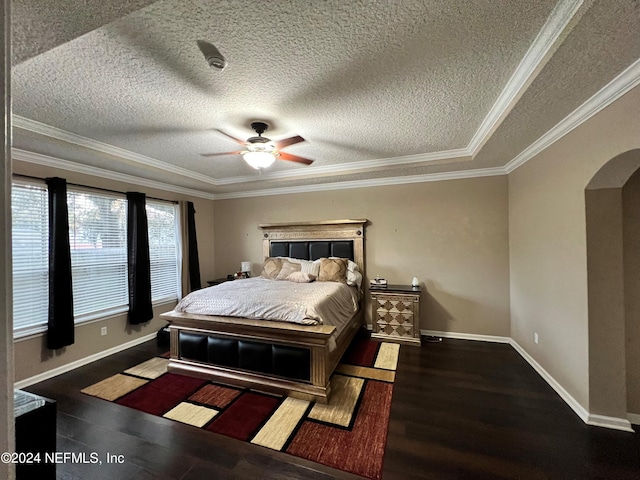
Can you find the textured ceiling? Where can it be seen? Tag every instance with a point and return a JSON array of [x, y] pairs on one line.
[[378, 89]]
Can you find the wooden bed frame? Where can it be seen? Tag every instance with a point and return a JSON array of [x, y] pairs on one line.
[[308, 342]]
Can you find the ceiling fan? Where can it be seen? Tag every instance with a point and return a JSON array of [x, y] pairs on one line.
[[260, 152]]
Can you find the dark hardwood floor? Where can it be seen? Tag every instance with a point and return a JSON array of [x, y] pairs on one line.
[[461, 409]]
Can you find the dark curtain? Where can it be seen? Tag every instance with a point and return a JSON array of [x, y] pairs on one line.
[[194, 261], [140, 309], [60, 331]]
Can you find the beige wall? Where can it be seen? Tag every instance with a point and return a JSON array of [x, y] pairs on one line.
[[31, 355], [610, 219], [452, 235], [631, 215], [547, 233], [605, 288]]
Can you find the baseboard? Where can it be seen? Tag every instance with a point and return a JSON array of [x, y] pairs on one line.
[[466, 336], [614, 423], [634, 418], [566, 396], [610, 422], [82, 362]]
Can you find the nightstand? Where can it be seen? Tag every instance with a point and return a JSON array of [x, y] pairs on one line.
[[395, 313]]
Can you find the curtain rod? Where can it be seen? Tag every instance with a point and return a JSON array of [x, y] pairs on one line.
[[94, 188]]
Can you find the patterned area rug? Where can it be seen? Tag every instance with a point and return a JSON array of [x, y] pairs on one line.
[[349, 433]]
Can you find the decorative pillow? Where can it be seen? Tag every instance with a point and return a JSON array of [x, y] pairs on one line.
[[301, 277], [333, 270], [307, 266], [351, 265], [290, 259], [287, 269], [354, 277], [271, 267], [312, 268]]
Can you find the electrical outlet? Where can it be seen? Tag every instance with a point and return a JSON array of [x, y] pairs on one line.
[[103, 331], [535, 337]]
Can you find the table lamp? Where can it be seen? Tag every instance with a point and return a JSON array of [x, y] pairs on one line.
[[245, 268]]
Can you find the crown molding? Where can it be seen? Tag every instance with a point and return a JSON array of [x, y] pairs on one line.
[[554, 31], [62, 164], [623, 83], [549, 37], [53, 162], [562, 19], [75, 139], [377, 182], [460, 154]]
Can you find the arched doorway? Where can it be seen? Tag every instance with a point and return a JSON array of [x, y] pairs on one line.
[[612, 206]]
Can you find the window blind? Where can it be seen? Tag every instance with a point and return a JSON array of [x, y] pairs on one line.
[[98, 240], [30, 232], [97, 237], [162, 218]]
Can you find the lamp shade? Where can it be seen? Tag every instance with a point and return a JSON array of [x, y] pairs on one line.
[[246, 267], [259, 160]]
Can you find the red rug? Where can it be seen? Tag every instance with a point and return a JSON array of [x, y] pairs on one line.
[[349, 433]]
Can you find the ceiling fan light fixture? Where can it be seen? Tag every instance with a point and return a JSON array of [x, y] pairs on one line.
[[260, 152], [261, 144], [259, 159]]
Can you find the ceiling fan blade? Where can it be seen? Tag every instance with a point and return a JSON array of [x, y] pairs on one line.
[[280, 144], [294, 158], [218, 154], [237, 140]]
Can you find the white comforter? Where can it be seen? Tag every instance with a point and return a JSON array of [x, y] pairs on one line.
[[328, 303]]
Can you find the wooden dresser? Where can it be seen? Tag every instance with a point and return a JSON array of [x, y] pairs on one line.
[[395, 313]]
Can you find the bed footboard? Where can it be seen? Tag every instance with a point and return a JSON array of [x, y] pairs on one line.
[[274, 357], [278, 360]]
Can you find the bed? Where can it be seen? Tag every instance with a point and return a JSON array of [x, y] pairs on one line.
[[273, 356]]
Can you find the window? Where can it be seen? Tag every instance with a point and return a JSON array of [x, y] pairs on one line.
[[162, 218], [30, 227], [98, 240]]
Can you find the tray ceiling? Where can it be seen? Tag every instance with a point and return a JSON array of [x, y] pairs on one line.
[[378, 89]]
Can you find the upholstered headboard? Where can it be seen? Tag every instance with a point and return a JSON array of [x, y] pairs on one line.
[[312, 250], [313, 240]]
